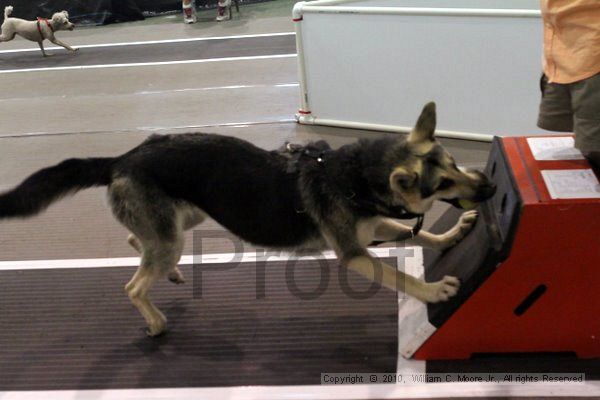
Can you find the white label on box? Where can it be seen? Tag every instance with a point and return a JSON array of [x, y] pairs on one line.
[[572, 184], [554, 148]]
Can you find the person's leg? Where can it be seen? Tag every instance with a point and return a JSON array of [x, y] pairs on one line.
[[189, 11], [594, 158], [556, 113], [586, 106], [223, 10]]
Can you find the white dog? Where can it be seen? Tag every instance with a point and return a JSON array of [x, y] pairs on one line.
[[36, 31]]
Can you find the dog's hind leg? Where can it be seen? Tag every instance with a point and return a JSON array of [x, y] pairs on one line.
[[7, 37], [134, 242], [188, 216], [157, 259], [174, 274], [7, 34], [152, 218]]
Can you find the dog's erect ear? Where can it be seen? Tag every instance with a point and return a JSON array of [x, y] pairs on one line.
[[425, 127], [400, 178], [66, 13]]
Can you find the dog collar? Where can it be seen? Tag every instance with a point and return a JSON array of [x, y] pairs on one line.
[[377, 207], [418, 225], [39, 27]]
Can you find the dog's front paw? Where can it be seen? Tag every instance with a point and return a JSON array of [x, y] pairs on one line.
[[464, 225], [441, 290], [74, 49]]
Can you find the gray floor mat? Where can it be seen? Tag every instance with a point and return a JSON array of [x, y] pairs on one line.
[[75, 328], [158, 52]]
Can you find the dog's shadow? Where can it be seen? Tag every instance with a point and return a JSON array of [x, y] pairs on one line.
[[173, 359], [35, 59]]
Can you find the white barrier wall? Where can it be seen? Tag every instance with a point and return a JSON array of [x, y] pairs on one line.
[[373, 64], [472, 4]]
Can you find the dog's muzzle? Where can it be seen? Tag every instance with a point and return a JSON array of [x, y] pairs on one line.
[[483, 192]]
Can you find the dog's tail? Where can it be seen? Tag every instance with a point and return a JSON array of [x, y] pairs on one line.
[[47, 185], [7, 11]]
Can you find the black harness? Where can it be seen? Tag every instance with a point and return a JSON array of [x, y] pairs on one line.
[[300, 154], [318, 152]]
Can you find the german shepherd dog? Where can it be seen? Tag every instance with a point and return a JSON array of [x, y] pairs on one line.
[[342, 199]]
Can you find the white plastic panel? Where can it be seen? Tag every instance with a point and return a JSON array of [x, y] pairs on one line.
[[485, 4], [483, 72]]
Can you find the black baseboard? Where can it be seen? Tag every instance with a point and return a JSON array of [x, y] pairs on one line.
[[100, 12]]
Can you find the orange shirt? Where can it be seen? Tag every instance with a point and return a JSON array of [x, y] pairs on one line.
[[571, 39]]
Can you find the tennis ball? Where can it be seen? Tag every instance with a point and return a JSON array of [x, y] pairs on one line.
[[467, 204]]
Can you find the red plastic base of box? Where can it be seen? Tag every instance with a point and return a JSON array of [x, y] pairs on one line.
[[556, 251]]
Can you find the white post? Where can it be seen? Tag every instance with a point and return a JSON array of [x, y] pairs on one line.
[[304, 114]]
